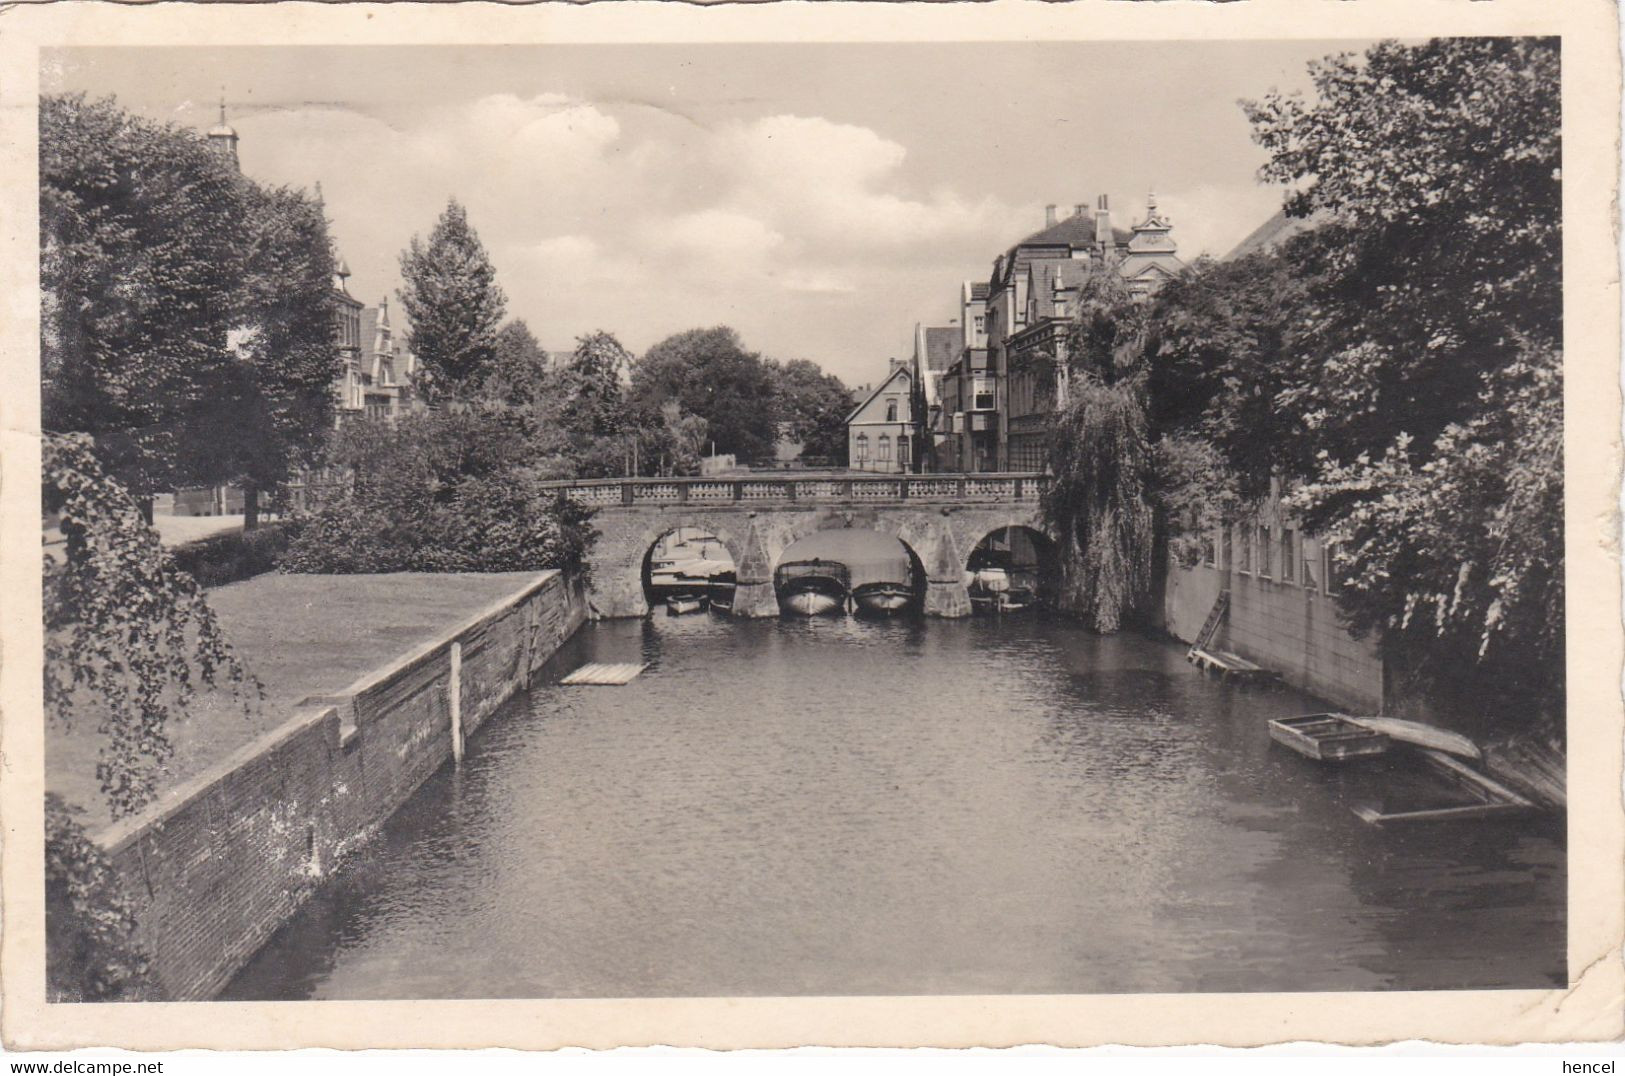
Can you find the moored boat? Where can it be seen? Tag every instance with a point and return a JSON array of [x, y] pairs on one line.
[[993, 590], [1327, 737], [721, 592], [1419, 735], [882, 599], [812, 587], [683, 604]]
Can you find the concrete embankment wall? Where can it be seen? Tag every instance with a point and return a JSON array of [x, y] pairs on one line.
[[1290, 629], [223, 860]]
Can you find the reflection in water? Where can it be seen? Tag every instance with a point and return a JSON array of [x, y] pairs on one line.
[[901, 807]]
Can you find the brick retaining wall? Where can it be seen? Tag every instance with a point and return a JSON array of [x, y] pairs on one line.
[[223, 860]]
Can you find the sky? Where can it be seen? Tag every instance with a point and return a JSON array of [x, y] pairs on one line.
[[822, 199]]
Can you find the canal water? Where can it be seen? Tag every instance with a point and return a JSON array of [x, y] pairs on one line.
[[835, 806]]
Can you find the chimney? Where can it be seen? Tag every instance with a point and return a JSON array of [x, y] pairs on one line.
[[1103, 222], [1049, 216]]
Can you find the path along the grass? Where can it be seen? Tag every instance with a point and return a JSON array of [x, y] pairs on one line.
[[300, 635]]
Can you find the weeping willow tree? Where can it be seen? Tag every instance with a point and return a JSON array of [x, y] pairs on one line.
[[1098, 501]]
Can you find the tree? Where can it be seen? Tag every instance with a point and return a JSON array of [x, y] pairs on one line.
[[519, 375], [1097, 501], [1423, 380], [278, 406], [814, 405], [1435, 171], [141, 262], [1220, 338], [453, 304], [709, 372], [683, 437]]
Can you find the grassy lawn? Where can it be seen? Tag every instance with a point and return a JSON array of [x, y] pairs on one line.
[[300, 635]]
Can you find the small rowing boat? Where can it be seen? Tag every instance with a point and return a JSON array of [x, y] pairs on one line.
[[682, 604], [1419, 735], [1327, 737]]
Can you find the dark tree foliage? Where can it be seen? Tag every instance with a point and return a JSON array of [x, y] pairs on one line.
[[519, 375], [1435, 171], [185, 321], [453, 305], [1097, 501], [91, 951], [141, 262], [128, 636], [813, 406], [710, 374], [1400, 363], [1220, 340], [277, 408]]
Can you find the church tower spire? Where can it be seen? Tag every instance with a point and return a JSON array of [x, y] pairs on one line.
[[223, 137]]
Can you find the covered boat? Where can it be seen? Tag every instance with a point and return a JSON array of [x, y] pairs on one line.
[[872, 568]]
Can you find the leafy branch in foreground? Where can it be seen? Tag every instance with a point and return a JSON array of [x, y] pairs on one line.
[[128, 635]]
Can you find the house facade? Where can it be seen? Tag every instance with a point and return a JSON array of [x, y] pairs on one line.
[[881, 430], [1009, 377]]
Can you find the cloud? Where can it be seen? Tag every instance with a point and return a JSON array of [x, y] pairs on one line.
[[762, 223]]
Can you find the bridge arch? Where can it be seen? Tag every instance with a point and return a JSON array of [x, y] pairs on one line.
[[1024, 551], [940, 519]]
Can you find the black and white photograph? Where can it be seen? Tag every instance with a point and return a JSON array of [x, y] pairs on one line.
[[811, 519]]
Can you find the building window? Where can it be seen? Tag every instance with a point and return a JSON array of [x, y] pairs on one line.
[[1289, 555], [903, 456], [981, 323], [1334, 570], [1311, 563], [1265, 551], [891, 410], [1227, 550], [1210, 550], [885, 448], [982, 389], [862, 451], [1246, 565]]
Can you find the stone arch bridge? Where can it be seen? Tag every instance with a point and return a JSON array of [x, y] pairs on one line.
[[940, 518]]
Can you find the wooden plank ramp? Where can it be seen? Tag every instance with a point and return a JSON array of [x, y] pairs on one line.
[[1228, 666], [605, 674]]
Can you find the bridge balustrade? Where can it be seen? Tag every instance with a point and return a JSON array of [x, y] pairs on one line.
[[819, 489]]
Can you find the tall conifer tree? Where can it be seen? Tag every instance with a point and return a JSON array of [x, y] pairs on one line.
[[453, 304]]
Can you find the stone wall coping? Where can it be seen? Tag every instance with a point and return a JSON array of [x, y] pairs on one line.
[[119, 834], [369, 680], [311, 710]]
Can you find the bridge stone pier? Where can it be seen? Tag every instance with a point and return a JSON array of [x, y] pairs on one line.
[[940, 518]]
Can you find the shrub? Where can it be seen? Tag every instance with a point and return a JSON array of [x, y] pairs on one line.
[[440, 492], [230, 558]]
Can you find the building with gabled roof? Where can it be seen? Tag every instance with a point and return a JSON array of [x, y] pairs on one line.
[[881, 429]]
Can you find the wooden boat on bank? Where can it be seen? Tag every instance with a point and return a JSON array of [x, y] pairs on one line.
[[1419, 735], [1327, 737]]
